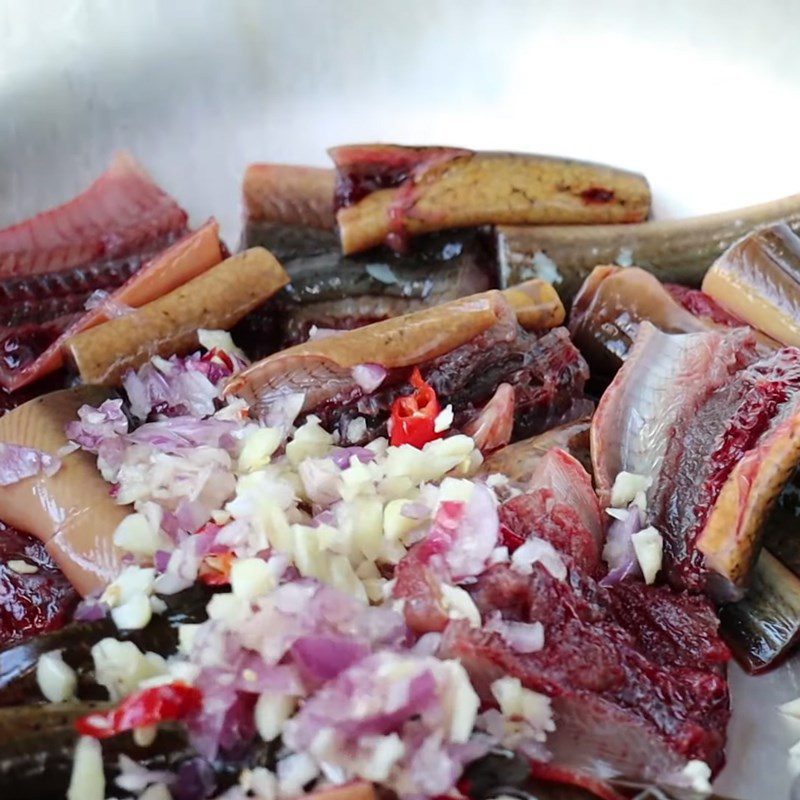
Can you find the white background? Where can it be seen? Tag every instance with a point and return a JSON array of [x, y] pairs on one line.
[[702, 96]]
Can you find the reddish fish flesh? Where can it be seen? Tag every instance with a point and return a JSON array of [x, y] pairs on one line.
[[121, 213], [186, 259], [52, 263]]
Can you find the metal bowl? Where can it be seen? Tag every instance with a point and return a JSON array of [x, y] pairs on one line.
[[701, 97]]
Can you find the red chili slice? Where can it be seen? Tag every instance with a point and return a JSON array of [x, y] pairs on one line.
[[216, 569], [167, 703], [219, 355], [414, 416]]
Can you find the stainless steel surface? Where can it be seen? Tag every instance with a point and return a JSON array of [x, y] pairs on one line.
[[701, 95]]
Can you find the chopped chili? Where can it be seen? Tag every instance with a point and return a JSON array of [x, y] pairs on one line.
[[414, 416], [216, 569], [167, 703]]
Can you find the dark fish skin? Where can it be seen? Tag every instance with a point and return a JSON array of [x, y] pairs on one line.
[[288, 241], [674, 250], [37, 766], [39, 718], [320, 272], [18, 662], [48, 296], [763, 627], [330, 290], [780, 531]]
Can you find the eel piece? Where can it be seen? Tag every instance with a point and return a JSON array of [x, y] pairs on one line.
[[168, 325], [675, 250], [465, 349], [291, 195], [289, 210], [390, 193], [613, 302], [715, 423], [758, 280], [332, 291], [621, 705], [70, 512], [121, 212], [609, 309], [52, 263], [518, 461], [28, 360], [763, 627]]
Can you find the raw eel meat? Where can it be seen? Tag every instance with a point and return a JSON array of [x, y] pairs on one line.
[[52, 263], [715, 423]]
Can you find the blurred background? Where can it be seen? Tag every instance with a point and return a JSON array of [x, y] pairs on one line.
[[700, 95]]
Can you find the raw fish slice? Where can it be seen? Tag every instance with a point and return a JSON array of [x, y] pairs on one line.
[[703, 306], [754, 453], [284, 194], [494, 423], [718, 432], [559, 504], [389, 193], [71, 512], [758, 281], [329, 290], [672, 628], [121, 213], [517, 461], [51, 295], [609, 309], [618, 710], [186, 259], [418, 587], [613, 303], [654, 396], [322, 368], [563, 475], [168, 325]]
